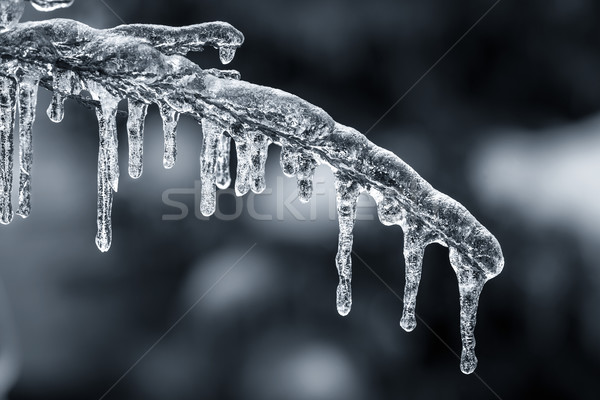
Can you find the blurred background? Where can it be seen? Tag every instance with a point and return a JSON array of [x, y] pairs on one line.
[[508, 123]]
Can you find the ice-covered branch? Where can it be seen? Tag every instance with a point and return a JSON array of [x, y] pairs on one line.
[[143, 64]]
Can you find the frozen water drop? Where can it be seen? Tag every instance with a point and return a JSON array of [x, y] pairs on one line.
[[258, 158], [226, 54], [306, 170]]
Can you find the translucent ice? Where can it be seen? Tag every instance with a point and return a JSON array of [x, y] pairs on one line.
[[145, 65]]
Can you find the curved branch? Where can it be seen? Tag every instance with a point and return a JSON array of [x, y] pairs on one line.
[[141, 63]]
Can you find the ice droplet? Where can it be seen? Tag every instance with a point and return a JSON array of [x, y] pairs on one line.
[[135, 134], [226, 54], [347, 196], [7, 120], [170, 118], [28, 87]]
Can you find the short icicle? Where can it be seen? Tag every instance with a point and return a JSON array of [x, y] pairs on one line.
[[222, 168], [7, 120], [170, 119], [306, 170], [347, 196], [62, 85], [289, 160], [242, 178], [470, 284], [208, 160], [135, 133], [258, 157], [28, 87]]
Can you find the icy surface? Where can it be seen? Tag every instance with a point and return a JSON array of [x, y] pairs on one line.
[[145, 65]]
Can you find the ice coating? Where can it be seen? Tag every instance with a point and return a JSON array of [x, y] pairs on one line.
[[10, 13], [223, 176], [181, 40], [27, 87], [347, 192], [135, 134], [7, 119], [143, 64], [170, 118], [50, 5]]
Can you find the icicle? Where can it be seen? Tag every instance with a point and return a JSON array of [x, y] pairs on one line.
[[208, 159], [222, 168], [306, 170], [27, 86], [108, 160], [242, 178], [7, 120], [470, 284], [135, 129], [170, 118], [414, 248], [226, 54], [258, 158], [347, 196], [107, 124], [289, 160], [62, 85]]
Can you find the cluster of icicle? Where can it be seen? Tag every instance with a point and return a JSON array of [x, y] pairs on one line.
[[145, 65]]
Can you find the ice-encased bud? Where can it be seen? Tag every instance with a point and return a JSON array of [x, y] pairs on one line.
[[11, 12]]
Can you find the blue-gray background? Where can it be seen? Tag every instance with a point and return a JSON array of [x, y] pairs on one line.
[[507, 123]]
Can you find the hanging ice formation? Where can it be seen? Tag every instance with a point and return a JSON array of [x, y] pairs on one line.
[[145, 64]]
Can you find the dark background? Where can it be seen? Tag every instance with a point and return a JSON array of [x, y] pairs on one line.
[[507, 123]]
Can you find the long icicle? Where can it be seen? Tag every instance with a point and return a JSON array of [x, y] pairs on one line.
[[222, 168], [258, 157], [347, 195], [170, 119], [27, 87], [7, 120], [108, 167], [208, 160], [135, 135]]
